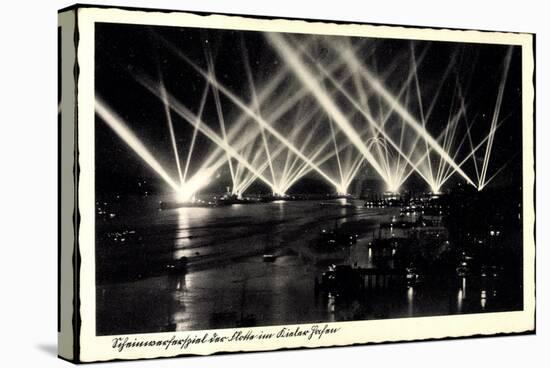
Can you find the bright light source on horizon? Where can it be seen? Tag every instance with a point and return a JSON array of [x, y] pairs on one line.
[[189, 189]]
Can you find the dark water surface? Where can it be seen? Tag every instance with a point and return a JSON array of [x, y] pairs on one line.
[[228, 284]]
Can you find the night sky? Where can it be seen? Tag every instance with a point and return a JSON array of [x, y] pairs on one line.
[[124, 51]]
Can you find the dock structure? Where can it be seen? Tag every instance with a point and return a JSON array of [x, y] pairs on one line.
[[344, 279]]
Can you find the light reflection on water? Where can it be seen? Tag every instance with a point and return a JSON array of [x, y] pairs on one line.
[[460, 300], [410, 301], [183, 233], [483, 299]]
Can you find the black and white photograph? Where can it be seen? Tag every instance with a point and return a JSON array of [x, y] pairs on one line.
[[247, 178], [275, 184]]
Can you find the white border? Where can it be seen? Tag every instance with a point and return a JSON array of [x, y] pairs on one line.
[[99, 348]]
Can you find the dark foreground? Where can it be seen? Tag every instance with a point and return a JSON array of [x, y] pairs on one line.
[[272, 264]]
